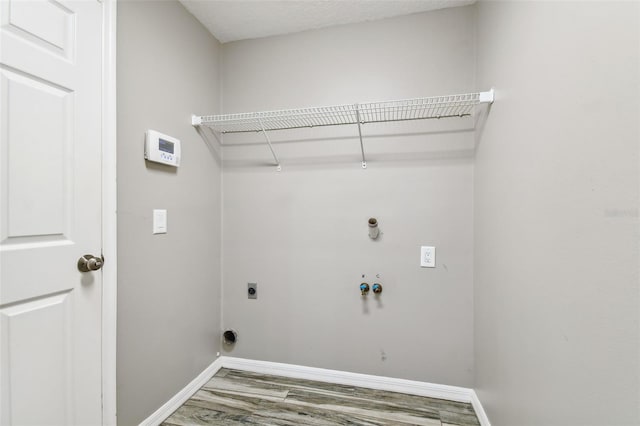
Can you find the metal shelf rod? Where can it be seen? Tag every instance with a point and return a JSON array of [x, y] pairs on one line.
[[275, 157], [364, 161]]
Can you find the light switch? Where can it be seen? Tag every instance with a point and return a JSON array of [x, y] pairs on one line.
[[428, 257], [159, 221]]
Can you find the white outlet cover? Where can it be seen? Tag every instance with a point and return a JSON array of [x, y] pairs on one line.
[[428, 257]]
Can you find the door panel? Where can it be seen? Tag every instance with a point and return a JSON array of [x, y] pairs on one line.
[[47, 24], [37, 176], [50, 211], [38, 367]]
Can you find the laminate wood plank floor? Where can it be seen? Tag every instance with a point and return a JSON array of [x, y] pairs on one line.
[[235, 397]]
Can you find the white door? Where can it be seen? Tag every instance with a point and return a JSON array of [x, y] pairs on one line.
[[50, 212]]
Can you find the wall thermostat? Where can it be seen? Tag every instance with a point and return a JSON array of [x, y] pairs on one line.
[[161, 148]]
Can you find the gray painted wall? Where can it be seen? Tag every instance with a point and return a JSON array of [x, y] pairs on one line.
[[556, 183], [168, 285], [301, 234], [556, 214]]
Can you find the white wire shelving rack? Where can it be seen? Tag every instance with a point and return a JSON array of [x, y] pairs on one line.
[[434, 107]]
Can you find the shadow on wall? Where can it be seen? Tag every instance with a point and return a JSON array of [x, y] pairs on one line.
[[480, 123], [353, 160], [426, 142], [160, 167], [212, 141], [246, 141]]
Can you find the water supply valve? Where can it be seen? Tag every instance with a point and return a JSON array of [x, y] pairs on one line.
[[364, 289], [377, 288]]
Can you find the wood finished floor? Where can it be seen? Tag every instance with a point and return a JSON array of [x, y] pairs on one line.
[[235, 397]]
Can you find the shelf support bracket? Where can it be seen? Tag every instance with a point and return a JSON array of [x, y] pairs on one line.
[[275, 157], [487, 97], [364, 161]]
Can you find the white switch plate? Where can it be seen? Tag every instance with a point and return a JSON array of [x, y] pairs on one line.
[[427, 257], [159, 221]]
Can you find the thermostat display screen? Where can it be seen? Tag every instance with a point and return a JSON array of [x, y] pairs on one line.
[[165, 146]]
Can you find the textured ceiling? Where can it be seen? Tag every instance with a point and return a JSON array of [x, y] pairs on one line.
[[231, 20]]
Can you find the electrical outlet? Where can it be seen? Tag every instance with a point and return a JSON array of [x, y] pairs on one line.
[[252, 290], [428, 257]]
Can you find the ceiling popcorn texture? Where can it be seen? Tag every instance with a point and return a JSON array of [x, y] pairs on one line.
[[231, 20]]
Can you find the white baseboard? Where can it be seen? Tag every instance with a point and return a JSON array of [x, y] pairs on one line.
[[412, 387], [452, 393], [181, 397], [479, 409]]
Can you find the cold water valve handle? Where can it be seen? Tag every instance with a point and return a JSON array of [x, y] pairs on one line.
[[364, 289], [377, 288]]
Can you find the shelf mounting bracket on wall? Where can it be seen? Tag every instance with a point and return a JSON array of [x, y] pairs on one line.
[[364, 161], [275, 157]]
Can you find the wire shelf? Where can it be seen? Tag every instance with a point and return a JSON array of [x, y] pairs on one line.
[[372, 112]]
